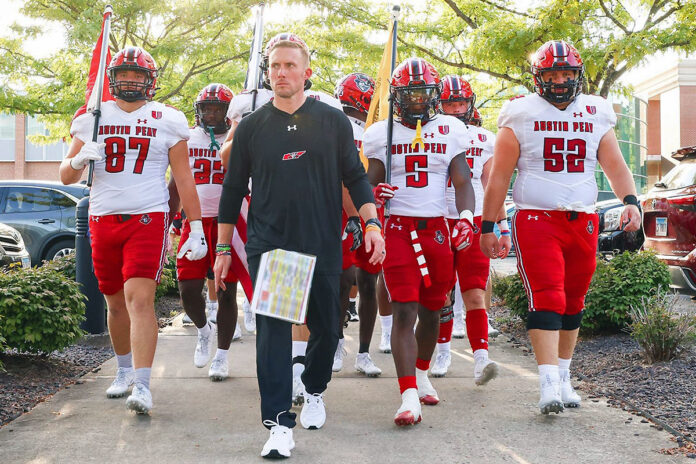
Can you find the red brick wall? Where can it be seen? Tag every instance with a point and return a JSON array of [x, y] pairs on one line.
[[687, 98]]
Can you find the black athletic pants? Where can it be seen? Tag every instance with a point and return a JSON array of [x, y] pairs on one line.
[[274, 349]]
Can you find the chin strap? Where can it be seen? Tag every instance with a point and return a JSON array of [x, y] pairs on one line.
[[213, 143], [418, 139]]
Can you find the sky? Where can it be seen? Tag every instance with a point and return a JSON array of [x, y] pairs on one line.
[[53, 39]]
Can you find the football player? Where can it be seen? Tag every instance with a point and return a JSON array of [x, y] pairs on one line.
[[418, 268], [137, 140], [555, 137]]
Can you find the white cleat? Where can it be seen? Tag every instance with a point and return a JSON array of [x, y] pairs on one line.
[[313, 415], [140, 400], [219, 369], [492, 331], [212, 315], [339, 355], [485, 370], [385, 342], [249, 317], [279, 444], [237, 333], [441, 364], [297, 390], [204, 347], [125, 377], [426, 392], [410, 411], [364, 364], [458, 328], [570, 398], [550, 400]]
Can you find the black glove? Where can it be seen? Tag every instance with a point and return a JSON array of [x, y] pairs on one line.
[[353, 228]]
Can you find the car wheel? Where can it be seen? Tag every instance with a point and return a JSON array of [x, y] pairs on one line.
[[60, 249]]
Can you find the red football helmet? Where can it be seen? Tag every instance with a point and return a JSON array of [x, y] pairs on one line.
[[213, 100], [455, 88], [476, 119], [557, 55], [415, 90], [289, 36], [355, 91], [137, 59]]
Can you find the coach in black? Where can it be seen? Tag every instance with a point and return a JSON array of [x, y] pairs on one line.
[[297, 152]]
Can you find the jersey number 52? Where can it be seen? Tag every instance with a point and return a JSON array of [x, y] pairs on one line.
[[555, 147]]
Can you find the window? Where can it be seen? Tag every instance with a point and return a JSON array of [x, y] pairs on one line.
[[682, 175], [7, 137], [51, 152], [28, 200], [61, 200]]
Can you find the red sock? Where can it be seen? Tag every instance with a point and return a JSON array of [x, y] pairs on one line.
[[477, 329], [422, 364], [407, 382], [445, 334]]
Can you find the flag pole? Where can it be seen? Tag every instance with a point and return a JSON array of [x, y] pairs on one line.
[[254, 67], [108, 12], [396, 9]]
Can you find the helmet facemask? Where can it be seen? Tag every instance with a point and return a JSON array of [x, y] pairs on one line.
[[212, 115], [131, 91], [416, 102], [550, 90]]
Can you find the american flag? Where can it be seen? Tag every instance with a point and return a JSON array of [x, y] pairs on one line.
[[239, 257]]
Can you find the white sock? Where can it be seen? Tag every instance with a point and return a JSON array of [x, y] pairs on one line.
[[297, 369], [125, 360], [142, 376], [353, 300], [205, 330], [299, 348], [564, 367], [458, 306], [214, 305], [443, 347], [386, 323], [220, 354], [550, 371], [420, 373], [481, 354]]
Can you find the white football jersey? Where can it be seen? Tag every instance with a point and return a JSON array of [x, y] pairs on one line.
[[241, 103], [421, 172], [358, 131], [481, 151], [558, 150], [131, 179], [207, 169]]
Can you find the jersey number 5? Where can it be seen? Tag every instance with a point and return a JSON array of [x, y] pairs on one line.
[[416, 170], [115, 150], [553, 155]]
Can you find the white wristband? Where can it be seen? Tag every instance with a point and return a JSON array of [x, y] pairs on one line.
[[196, 226], [468, 215], [503, 225]]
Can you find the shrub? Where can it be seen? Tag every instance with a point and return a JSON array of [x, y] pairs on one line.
[[168, 283], [658, 327], [41, 310], [511, 290], [65, 265]]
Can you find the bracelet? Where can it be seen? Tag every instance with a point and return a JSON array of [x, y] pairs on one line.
[[223, 247], [487, 227], [504, 232], [223, 253], [631, 200], [503, 225], [372, 227], [373, 222]]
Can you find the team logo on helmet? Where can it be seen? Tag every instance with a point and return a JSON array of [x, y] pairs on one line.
[[591, 109], [590, 227], [444, 130], [482, 137], [157, 114], [439, 237], [363, 83]]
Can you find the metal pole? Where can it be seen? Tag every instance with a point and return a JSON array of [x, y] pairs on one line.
[[390, 121], [255, 57]]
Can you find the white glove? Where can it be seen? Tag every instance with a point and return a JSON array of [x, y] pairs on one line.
[[91, 151], [195, 244]]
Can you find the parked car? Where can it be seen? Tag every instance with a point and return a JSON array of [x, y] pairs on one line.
[[669, 220], [12, 249], [612, 238], [44, 215]]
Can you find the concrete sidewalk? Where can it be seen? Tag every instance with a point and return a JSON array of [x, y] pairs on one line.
[[195, 420]]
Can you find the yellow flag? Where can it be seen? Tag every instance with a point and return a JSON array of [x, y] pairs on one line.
[[379, 107]]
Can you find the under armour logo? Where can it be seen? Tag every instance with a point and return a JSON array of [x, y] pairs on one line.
[[395, 226], [575, 115], [95, 218], [431, 135], [292, 127], [142, 121], [536, 218]]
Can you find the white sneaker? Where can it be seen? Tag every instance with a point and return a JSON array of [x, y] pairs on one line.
[[186, 319], [219, 369], [385, 342], [410, 411], [441, 364], [140, 400], [492, 331], [570, 398], [237, 333], [249, 317], [426, 391], [125, 376], [458, 328], [339, 355], [279, 444], [364, 364], [204, 347], [485, 370], [313, 413], [550, 400], [297, 390], [212, 315]]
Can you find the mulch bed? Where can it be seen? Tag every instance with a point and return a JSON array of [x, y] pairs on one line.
[[31, 379]]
